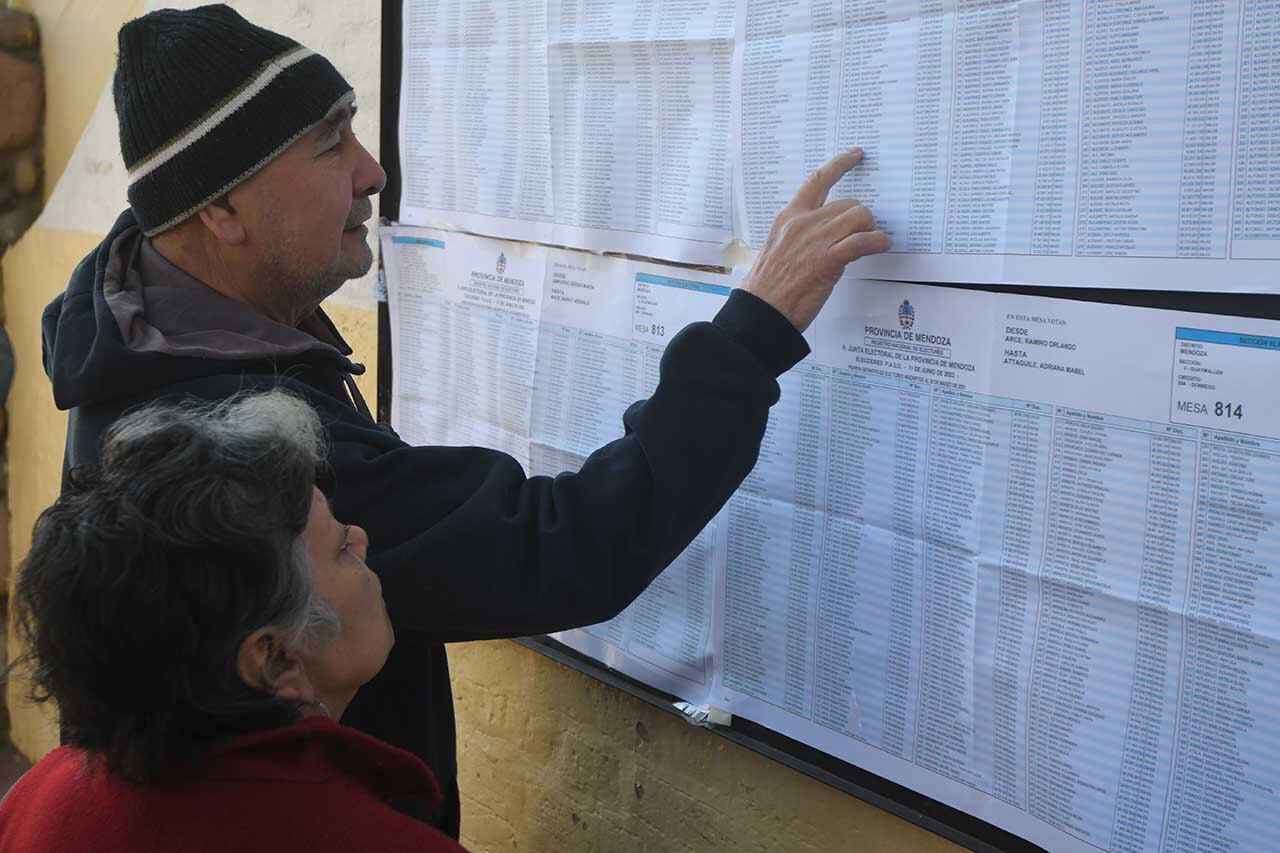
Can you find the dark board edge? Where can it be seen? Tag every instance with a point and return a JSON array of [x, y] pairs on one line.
[[389, 198]]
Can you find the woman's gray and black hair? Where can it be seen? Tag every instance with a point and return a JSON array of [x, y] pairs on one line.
[[149, 572]]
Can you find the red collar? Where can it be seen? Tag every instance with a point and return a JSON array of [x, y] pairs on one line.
[[316, 748]]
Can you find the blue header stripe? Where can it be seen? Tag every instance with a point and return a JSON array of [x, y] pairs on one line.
[[683, 284], [419, 241], [1230, 338]]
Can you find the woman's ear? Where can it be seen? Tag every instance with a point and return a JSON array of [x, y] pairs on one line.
[[265, 662]]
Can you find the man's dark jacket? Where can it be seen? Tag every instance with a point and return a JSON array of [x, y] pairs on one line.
[[466, 545]]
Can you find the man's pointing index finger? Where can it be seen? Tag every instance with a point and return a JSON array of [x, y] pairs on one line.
[[813, 194]]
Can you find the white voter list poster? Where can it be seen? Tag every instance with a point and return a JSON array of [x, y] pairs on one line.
[[602, 126], [1099, 144], [1018, 554], [1058, 142]]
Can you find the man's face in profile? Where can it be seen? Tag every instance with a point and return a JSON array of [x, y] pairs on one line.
[[305, 211]]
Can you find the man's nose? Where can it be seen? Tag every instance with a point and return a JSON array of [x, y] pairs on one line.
[[369, 177]]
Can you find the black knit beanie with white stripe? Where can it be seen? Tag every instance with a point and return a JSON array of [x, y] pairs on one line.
[[205, 99]]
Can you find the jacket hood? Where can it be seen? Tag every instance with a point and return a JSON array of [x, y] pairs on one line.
[[130, 321]]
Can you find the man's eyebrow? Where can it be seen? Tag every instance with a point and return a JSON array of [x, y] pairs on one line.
[[331, 125], [339, 116]]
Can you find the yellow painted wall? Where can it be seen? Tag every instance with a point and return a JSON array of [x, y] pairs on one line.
[[549, 759], [77, 58]]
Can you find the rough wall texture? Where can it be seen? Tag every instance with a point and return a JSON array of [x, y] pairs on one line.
[[78, 48], [550, 759], [21, 113], [35, 427]]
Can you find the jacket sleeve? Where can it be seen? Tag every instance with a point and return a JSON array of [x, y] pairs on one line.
[[468, 547]]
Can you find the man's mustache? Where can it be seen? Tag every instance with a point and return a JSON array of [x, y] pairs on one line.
[[360, 213]]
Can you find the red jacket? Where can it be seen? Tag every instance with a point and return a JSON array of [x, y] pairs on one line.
[[315, 786]]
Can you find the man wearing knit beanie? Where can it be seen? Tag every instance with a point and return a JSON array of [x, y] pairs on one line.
[[248, 193], [241, 161]]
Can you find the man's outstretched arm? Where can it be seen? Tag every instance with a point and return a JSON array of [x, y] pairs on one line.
[[469, 547]]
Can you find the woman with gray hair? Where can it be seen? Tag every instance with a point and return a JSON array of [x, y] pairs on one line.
[[202, 621]]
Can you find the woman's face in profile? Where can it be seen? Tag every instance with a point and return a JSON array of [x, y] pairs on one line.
[[342, 662]]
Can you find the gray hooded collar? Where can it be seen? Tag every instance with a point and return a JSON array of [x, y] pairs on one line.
[[160, 308]]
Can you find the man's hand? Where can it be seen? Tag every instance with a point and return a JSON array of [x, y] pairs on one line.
[[811, 242]]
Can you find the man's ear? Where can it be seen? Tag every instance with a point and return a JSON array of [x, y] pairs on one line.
[[222, 220], [266, 663]]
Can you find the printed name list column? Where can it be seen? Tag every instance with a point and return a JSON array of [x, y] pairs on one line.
[[422, 337], [1226, 777], [984, 514], [640, 117], [867, 645], [1159, 81], [1255, 227], [888, 49], [984, 138], [775, 539], [788, 94], [474, 133], [1120, 499]]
